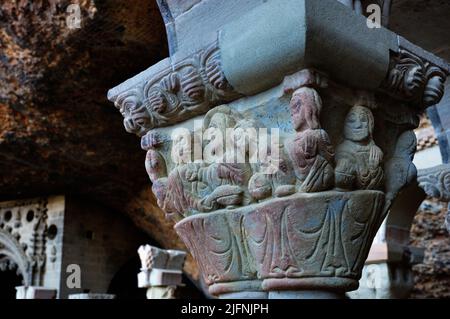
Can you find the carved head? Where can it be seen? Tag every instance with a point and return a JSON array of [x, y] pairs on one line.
[[222, 121], [155, 165], [182, 142], [306, 106], [136, 118], [359, 124], [151, 140]]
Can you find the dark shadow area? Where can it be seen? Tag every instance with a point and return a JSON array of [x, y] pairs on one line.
[[125, 285], [9, 280]]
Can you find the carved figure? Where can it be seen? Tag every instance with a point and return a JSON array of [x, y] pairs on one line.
[[400, 170], [155, 164], [267, 182], [311, 151], [358, 159]]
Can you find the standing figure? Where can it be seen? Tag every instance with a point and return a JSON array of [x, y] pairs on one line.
[[155, 164], [358, 159]]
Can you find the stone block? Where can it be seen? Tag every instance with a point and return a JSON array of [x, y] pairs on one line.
[[24, 292]]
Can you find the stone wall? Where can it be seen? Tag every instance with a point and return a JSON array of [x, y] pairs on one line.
[[100, 241]]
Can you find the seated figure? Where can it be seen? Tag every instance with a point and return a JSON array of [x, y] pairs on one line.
[[358, 159], [311, 151]]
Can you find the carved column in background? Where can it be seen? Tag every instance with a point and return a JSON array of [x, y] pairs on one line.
[[161, 271], [345, 108], [436, 183]]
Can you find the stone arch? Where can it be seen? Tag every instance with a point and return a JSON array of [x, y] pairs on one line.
[[11, 250]]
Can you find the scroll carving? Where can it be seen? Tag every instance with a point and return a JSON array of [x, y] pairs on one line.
[[189, 88], [289, 227], [413, 79]]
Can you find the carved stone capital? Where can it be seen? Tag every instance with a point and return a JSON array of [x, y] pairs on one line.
[[301, 213], [435, 182], [160, 267]]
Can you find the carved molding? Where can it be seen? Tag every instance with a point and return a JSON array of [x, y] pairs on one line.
[[18, 246], [414, 79], [186, 89], [296, 241], [435, 182]]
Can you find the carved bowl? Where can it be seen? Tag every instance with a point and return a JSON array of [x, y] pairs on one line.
[[300, 242]]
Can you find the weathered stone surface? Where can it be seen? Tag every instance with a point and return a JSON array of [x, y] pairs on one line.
[[432, 277], [56, 131], [297, 242]]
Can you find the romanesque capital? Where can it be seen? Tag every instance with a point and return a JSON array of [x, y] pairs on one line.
[[278, 136]]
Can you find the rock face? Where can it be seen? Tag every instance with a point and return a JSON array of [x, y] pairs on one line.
[[56, 134], [432, 277], [432, 16]]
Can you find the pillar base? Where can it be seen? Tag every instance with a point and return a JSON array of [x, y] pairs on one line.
[[31, 292]]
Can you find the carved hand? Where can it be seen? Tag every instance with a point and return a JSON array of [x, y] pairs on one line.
[[375, 157]]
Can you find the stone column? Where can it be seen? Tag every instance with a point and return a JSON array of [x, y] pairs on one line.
[[387, 273], [161, 271], [291, 213]]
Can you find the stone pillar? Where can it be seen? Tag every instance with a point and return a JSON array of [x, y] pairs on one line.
[[278, 136], [387, 273], [30, 292], [161, 271]]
